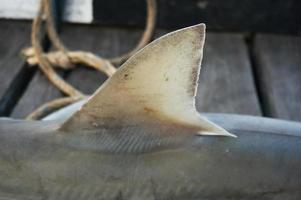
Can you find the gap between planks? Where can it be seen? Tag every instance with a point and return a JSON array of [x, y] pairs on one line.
[[278, 66]]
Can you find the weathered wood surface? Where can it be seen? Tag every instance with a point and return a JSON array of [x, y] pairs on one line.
[[230, 15], [278, 61], [226, 81], [13, 37], [39, 91]]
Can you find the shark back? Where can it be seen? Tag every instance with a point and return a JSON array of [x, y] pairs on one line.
[[153, 162]]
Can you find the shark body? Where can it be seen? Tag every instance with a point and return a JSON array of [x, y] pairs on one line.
[[142, 139], [264, 162]]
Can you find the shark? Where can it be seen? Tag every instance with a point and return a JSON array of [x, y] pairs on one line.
[[140, 137]]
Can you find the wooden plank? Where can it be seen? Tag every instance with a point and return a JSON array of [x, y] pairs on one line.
[[278, 65], [234, 15], [39, 91], [14, 36], [226, 84]]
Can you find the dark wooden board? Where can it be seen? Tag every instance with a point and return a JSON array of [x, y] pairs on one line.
[[39, 91], [226, 82], [278, 67], [230, 15], [14, 36]]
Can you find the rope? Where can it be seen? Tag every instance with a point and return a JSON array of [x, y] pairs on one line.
[[62, 57], [44, 65]]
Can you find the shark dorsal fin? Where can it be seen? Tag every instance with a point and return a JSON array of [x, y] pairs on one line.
[[156, 85]]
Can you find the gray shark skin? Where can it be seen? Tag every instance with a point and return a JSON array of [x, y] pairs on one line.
[[263, 162], [140, 137]]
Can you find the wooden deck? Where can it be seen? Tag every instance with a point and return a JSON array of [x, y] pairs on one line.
[[255, 75]]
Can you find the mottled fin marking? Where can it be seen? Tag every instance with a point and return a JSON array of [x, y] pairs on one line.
[[157, 85]]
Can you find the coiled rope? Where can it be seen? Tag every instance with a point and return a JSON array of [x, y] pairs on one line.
[[67, 59]]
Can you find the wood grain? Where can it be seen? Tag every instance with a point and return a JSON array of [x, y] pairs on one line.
[[278, 68], [13, 38], [226, 82], [39, 91]]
